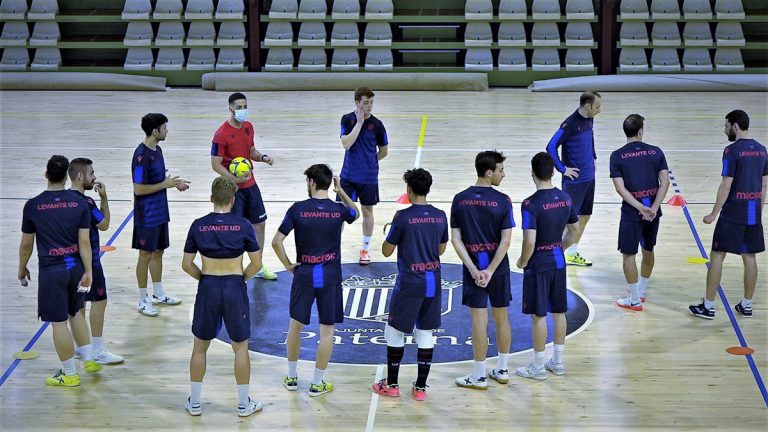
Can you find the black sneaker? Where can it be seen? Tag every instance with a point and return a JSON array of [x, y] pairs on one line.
[[702, 312], [745, 311]]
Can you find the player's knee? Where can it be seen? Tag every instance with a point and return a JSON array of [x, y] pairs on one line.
[[395, 338], [145, 255], [424, 339], [158, 254]]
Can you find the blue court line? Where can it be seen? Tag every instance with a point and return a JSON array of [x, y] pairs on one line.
[[724, 299], [42, 328]]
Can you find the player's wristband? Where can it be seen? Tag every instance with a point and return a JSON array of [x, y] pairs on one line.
[[263, 156]]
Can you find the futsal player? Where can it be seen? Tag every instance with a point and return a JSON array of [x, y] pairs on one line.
[[364, 139], [740, 200], [150, 211], [641, 177], [420, 234], [546, 215], [57, 221], [317, 223], [577, 164], [83, 178], [481, 227], [233, 139], [221, 238]]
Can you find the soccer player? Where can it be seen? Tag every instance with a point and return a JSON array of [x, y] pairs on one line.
[[577, 164], [365, 140], [641, 177], [481, 224], [317, 222], [150, 211], [546, 215], [233, 139], [57, 221], [740, 201], [221, 238], [83, 178], [420, 234]]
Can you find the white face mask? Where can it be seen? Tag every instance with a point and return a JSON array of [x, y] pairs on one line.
[[241, 115]]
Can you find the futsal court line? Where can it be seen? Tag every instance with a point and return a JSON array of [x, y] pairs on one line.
[[721, 293], [43, 327]]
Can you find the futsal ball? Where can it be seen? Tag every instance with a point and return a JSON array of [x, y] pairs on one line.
[[240, 167]]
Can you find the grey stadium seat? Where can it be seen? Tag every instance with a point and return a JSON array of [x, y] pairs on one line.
[[478, 59], [13, 10], [665, 34], [729, 34], [284, 9], [665, 60], [312, 9], [633, 60], [512, 33], [512, 59], [378, 34], [199, 9], [513, 10], [45, 33], [170, 59], [579, 9], [545, 59], [15, 33], [201, 33], [312, 33], [136, 10], [312, 59], [14, 59], [43, 10], [229, 9], [545, 34], [170, 33], [379, 10], [634, 9], [478, 34], [478, 10], [579, 59], [345, 59], [633, 33], [278, 34], [546, 9], [345, 34], [729, 59], [697, 59], [697, 33], [138, 59], [379, 59], [231, 33], [279, 60], [201, 59], [138, 33], [168, 10], [665, 9], [729, 9], [46, 59], [697, 9], [579, 34], [230, 59], [345, 9]]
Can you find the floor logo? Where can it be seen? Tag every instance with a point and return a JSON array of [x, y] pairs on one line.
[[366, 292]]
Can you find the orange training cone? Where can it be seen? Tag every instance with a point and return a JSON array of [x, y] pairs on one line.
[[677, 200], [403, 199]]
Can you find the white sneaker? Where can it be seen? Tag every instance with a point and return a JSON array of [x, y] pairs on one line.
[[531, 371], [469, 381], [166, 299], [501, 376], [194, 409], [107, 358], [146, 308], [556, 368], [246, 410]]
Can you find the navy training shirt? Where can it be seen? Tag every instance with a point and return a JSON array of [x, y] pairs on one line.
[[548, 211], [221, 235], [361, 165], [96, 217], [418, 231], [148, 167], [746, 162], [638, 164], [577, 139]]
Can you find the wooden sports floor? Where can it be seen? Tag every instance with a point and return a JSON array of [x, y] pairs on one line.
[[658, 369]]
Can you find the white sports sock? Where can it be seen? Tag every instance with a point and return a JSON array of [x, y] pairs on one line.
[[157, 287], [642, 285], [197, 388], [367, 243], [709, 304], [86, 351], [634, 293], [538, 359], [318, 378], [746, 302], [242, 394], [502, 363], [68, 366], [480, 371], [557, 355], [572, 250], [98, 344], [292, 366], [142, 293]]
